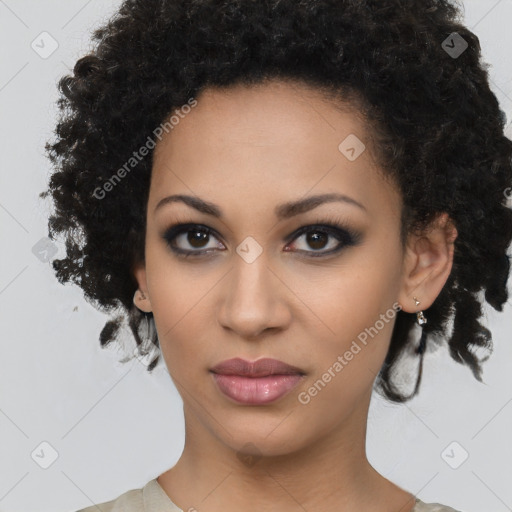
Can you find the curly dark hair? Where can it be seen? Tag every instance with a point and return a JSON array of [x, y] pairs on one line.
[[437, 127]]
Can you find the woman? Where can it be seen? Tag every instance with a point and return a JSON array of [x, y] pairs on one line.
[[280, 195]]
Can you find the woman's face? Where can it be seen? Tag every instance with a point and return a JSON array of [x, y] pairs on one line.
[[265, 288]]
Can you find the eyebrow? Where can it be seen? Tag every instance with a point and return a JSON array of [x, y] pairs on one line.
[[283, 211]]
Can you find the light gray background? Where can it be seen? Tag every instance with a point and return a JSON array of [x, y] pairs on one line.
[[113, 426]]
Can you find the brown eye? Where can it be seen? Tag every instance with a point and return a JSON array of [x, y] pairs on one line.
[[317, 239], [183, 237], [197, 238], [324, 240]]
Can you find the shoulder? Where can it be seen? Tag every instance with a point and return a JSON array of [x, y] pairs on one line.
[[130, 501], [432, 507], [149, 498]]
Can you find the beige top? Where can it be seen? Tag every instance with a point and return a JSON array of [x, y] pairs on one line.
[[152, 498]]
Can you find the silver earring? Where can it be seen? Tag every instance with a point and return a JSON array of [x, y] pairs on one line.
[[420, 317]]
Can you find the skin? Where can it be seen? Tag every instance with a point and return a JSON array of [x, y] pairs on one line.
[[248, 149]]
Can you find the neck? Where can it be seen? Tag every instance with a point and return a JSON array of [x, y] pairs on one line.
[[330, 474]]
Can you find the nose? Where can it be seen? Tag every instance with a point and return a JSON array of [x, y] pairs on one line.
[[254, 299]]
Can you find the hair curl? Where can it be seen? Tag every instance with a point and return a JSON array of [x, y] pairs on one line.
[[438, 126]]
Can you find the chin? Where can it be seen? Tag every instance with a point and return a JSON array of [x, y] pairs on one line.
[[265, 441]]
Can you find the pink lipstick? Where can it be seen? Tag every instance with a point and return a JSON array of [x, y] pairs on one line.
[[255, 383]]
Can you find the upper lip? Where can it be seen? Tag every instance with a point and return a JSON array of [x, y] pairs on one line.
[[259, 368]]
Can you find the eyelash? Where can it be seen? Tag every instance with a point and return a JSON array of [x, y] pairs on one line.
[[332, 227]]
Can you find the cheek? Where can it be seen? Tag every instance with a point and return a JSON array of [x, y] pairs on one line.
[[345, 298], [352, 314], [347, 363], [180, 310]]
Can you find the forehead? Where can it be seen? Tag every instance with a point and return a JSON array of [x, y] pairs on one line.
[[274, 112], [278, 139]]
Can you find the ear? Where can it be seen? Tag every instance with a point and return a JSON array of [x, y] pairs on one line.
[[427, 264], [142, 301]]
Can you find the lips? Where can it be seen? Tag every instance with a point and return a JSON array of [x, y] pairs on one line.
[[255, 383], [260, 368]]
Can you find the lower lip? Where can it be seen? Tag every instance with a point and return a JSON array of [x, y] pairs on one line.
[[256, 390]]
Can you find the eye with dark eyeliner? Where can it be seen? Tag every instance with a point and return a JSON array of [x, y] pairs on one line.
[[318, 233], [181, 230]]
